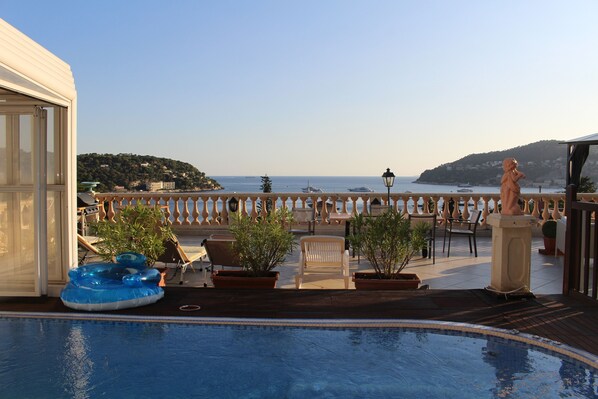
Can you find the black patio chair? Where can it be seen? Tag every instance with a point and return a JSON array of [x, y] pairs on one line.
[[466, 228]]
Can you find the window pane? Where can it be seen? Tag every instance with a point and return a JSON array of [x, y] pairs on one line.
[[26, 149], [54, 236], [53, 146], [17, 267], [4, 154]]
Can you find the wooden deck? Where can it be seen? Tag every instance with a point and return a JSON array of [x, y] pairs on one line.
[[569, 319]]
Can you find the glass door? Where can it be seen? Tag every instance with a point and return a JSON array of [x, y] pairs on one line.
[[28, 225]]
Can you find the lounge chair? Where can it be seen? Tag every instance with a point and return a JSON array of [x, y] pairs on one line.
[[220, 252], [176, 255], [87, 245], [323, 255]]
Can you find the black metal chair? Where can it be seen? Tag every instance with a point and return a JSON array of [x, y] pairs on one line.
[[428, 218], [466, 228]]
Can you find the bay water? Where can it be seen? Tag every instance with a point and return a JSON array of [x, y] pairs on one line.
[[342, 184]]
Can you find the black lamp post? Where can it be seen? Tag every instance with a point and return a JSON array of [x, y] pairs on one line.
[[389, 179], [233, 205]]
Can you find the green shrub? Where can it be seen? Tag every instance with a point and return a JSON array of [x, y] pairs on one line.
[[263, 244], [136, 228], [388, 241], [549, 229]]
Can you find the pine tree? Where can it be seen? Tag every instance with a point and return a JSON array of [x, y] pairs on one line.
[[266, 187]]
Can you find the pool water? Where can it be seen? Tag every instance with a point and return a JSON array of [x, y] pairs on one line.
[[47, 358]]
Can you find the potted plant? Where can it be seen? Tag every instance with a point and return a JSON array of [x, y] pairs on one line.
[[137, 228], [549, 233], [388, 242], [261, 246]]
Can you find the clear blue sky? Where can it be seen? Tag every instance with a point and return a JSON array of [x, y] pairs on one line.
[[321, 87]]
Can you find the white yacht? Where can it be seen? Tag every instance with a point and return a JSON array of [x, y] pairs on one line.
[[361, 190]]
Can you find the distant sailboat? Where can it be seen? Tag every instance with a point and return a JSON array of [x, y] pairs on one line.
[[310, 189]]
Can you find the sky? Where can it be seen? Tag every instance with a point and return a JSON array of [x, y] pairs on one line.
[[321, 87]]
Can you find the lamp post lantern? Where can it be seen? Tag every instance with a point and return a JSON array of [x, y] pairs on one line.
[[233, 205], [389, 180]]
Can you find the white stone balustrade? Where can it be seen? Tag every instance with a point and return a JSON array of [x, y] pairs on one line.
[[211, 209]]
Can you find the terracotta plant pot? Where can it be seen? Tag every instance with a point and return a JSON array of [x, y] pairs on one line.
[[549, 246], [370, 281], [239, 279]]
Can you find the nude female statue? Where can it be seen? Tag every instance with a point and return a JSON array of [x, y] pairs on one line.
[[509, 188]]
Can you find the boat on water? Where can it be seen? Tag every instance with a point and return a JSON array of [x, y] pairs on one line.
[[311, 189], [465, 190], [361, 190], [466, 185]]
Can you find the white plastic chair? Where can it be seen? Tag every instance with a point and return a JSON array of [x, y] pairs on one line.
[[323, 255]]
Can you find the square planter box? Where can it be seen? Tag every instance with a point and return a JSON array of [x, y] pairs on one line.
[[239, 279], [370, 281]]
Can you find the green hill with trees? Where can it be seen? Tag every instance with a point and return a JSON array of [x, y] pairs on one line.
[[542, 162], [134, 172]]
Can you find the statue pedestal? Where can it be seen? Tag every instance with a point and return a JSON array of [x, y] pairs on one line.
[[511, 253]]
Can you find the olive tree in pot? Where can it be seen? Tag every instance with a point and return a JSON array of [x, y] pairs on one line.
[[261, 246], [136, 228], [388, 242]]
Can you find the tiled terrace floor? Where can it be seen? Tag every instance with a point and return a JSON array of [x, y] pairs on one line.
[[459, 271]]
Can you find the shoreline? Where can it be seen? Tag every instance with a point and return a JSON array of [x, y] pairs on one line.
[[548, 186]]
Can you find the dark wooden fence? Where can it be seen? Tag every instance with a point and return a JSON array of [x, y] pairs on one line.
[[581, 246]]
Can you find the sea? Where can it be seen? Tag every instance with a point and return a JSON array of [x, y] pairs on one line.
[[342, 184]]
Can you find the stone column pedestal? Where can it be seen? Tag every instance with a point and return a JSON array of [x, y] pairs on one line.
[[511, 253]]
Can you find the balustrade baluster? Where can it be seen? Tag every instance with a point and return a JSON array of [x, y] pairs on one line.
[[556, 215], [465, 213], [243, 206], [354, 206], [214, 219], [536, 211], [111, 211], [254, 213], [455, 214], [545, 213], [204, 213], [166, 209], [323, 210], [102, 210], [526, 206], [445, 213], [177, 212], [224, 213], [195, 212], [186, 213], [433, 205]]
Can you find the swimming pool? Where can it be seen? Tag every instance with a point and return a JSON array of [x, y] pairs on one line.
[[91, 356]]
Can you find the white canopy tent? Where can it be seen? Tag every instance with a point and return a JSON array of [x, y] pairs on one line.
[[38, 105]]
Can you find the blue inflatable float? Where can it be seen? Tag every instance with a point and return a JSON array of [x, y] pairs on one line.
[[108, 286]]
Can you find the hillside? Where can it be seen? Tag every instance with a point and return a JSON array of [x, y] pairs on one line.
[[542, 162], [132, 172]]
